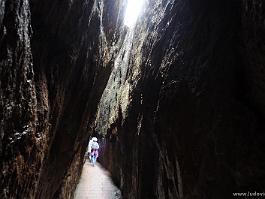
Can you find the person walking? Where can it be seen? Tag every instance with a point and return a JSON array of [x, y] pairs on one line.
[[94, 150], [89, 150]]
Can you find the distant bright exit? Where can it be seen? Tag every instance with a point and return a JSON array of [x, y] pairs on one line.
[[133, 10]]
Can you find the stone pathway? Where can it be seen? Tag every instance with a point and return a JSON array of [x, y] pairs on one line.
[[95, 183]]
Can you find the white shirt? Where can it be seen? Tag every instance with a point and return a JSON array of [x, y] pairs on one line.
[[89, 146]]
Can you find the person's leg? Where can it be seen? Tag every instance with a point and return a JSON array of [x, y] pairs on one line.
[[96, 156], [93, 160]]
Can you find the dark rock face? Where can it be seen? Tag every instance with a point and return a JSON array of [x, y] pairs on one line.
[[194, 123], [55, 62], [253, 15], [18, 103], [69, 63]]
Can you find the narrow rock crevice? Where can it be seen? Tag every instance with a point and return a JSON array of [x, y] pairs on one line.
[[178, 98]]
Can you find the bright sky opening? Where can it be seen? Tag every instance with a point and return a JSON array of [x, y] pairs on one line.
[[133, 9]]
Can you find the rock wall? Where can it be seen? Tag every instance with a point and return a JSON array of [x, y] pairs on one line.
[[55, 60], [194, 122], [18, 103], [253, 15]]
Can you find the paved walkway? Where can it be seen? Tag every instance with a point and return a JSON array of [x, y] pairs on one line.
[[95, 183]]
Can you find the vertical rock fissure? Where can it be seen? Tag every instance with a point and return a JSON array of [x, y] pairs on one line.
[[189, 101], [116, 93], [179, 96]]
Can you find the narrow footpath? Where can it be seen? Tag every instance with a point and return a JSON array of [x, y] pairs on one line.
[[95, 183]]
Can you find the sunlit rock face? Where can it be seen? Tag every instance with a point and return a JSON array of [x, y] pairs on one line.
[[55, 60], [192, 122]]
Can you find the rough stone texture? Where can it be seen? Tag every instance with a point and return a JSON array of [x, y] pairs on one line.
[[76, 61], [55, 62], [18, 115], [194, 126]]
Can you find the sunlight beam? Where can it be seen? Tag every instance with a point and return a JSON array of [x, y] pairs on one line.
[[133, 9]]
